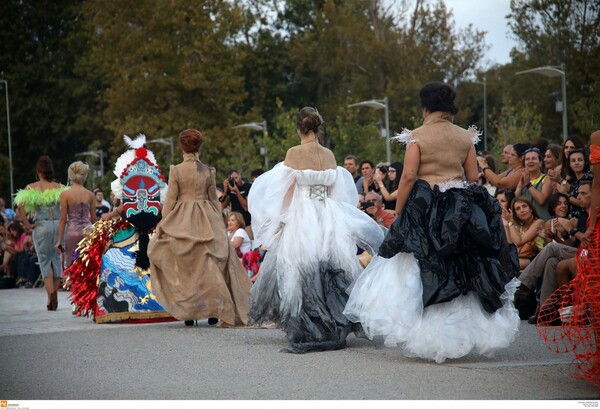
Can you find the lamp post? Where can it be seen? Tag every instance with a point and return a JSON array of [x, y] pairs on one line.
[[484, 83], [164, 141], [10, 165], [96, 154], [379, 104], [258, 126], [554, 71]]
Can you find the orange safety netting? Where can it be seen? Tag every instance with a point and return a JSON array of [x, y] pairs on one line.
[[569, 320]]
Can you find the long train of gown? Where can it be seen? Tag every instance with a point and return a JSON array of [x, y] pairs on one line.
[[443, 282], [309, 224]]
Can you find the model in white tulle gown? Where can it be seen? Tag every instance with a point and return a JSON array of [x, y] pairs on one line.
[[309, 223]]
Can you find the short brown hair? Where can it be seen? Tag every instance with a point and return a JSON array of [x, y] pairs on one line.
[[191, 140]]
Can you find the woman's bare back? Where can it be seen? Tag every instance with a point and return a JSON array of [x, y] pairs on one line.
[[310, 156]]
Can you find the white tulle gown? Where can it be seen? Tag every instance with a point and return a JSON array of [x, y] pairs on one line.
[[309, 224]]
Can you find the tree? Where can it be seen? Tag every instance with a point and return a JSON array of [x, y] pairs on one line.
[[554, 32], [51, 106]]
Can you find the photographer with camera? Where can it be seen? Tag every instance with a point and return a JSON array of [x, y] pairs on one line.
[[374, 208], [235, 191]]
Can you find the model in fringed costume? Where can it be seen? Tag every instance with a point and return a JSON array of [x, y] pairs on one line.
[[41, 200], [110, 279], [443, 281], [577, 304], [196, 273], [304, 214]]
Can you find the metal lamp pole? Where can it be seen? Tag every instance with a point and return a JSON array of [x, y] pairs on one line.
[[553, 71], [258, 126], [379, 104], [10, 164], [164, 141]]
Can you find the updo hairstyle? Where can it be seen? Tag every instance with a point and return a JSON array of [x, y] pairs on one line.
[[437, 96], [78, 172], [45, 167], [191, 140], [308, 119]]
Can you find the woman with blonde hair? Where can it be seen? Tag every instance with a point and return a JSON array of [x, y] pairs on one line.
[[237, 234], [77, 211]]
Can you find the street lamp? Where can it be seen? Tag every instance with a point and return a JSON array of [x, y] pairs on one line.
[[258, 126], [554, 71], [10, 166], [379, 104], [164, 141], [96, 154], [484, 83]]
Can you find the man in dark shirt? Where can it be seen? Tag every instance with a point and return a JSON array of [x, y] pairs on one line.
[[102, 206], [235, 191]]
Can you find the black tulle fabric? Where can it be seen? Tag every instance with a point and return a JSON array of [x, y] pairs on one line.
[[459, 241], [321, 324]]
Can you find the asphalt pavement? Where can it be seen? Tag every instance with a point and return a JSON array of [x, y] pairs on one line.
[[54, 355]]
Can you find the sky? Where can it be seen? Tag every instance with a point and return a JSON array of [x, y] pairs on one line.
[[486, 15]]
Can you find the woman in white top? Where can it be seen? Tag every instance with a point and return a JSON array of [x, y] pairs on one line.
[[236, 233]]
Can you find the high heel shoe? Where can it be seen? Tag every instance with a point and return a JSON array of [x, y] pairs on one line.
[[54, 302]]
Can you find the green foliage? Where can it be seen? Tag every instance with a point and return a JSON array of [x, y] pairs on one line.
[[84, 73]]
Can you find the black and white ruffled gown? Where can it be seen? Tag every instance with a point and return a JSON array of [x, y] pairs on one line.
[[309, 224], [443, 281]]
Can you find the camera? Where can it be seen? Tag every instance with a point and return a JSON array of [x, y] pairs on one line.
[[231, 181], [366, 205]]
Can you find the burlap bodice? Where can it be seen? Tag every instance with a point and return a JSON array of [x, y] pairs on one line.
[[443, 146]]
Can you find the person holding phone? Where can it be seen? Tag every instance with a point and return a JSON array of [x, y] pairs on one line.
[[235, 192], [374, 208]]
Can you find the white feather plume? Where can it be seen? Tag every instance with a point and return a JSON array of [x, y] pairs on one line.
[[138, 142], [404, 137], [475, 134]]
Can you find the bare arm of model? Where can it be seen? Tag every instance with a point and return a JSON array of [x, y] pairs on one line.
[[412, 161]]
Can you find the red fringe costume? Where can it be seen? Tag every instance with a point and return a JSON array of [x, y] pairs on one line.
[[579, 303]]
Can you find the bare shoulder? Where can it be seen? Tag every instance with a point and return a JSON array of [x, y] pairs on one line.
[[330, 158], [595, 138]]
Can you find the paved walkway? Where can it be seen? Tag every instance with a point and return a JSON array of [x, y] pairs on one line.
[[55, 355]]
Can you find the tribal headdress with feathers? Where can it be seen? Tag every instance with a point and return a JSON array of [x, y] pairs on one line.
[[141, 187]]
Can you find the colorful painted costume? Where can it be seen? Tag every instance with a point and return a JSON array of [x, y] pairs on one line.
[[110, 279]]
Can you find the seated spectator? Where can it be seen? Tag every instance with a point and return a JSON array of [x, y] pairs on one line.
[[545, 263], [491, 163], [558, 227], [18, 261], [505, 198], [367, 182], [522, 231], [578, 170], [256, 173], [510, 178], [389, 190], [351, 165], [534, 185], [552, 165], [572, 142], [374, 208], [7, 215], [237, 234]]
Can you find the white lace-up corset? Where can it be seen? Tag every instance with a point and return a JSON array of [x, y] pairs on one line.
[[318, 192]]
